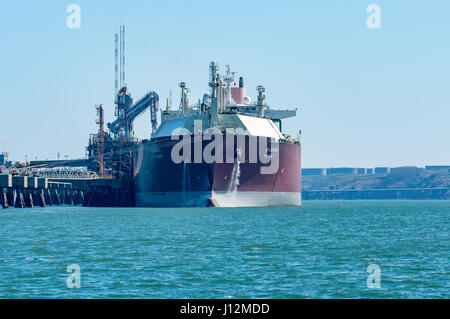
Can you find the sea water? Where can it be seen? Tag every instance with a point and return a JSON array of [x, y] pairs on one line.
[[320, 250]]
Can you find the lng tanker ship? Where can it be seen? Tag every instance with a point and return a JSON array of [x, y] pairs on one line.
[[225, 152]]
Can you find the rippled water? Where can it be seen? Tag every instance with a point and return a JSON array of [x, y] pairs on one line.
[[319, 250]]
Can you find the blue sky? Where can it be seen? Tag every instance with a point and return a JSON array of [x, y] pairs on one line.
[[366, 97]]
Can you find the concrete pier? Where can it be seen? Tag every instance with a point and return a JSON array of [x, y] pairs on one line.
[[109, 193], [5, 181], [28, 191], [22, 191], [20, 182]]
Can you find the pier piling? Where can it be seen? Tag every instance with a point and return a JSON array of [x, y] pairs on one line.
[[41, 198], [29, 203], [20, 202], [4, 200], [10, 195]]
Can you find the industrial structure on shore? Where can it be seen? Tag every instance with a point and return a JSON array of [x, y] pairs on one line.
[[344, 171]]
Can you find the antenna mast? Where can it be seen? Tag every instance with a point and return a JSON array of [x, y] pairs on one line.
[[123, 55], [184, 104], [101, 138], [214, 83], [120, 58], [228, 79], [116, 65]]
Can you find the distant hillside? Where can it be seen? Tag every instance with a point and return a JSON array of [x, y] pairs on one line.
[[398, 178]]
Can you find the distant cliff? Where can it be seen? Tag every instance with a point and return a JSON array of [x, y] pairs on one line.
[[400, 183]]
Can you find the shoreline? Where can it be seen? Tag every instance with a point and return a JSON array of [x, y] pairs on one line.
[[383, 194]]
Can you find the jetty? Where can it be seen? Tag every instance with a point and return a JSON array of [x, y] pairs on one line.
[[29, 192]]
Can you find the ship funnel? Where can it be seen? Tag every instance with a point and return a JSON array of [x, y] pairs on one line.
[[238, 93], [241, 82]]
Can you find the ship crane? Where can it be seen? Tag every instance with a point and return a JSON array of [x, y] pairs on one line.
[[124, 122]]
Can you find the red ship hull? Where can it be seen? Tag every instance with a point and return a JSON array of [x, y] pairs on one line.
[[160, 182]]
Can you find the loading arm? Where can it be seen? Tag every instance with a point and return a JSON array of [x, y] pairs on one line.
[[150, 100]]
